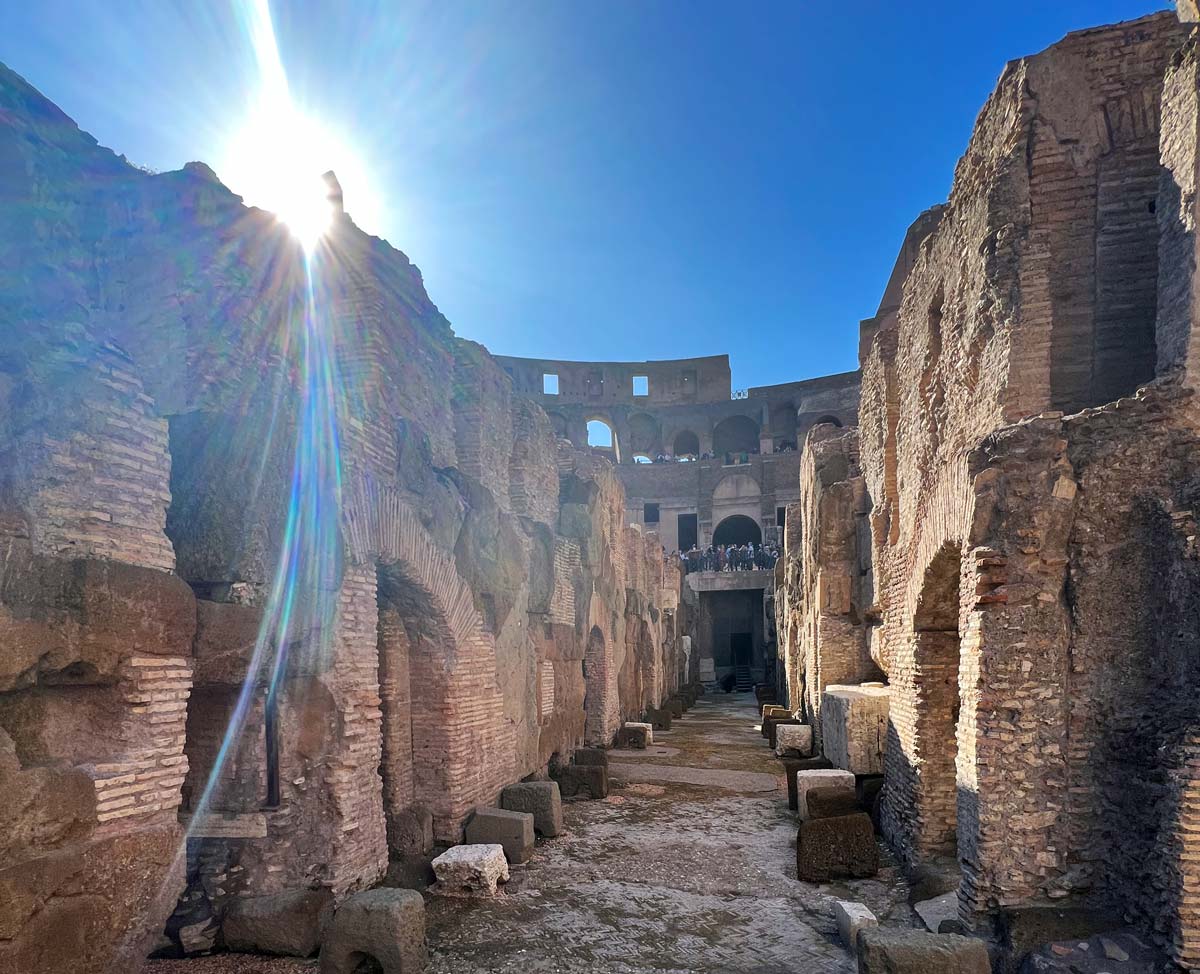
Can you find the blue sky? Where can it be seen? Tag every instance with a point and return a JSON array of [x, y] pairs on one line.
[[625, 179]]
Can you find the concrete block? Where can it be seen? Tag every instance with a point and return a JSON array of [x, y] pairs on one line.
[[470, 870], [836, 848], [792, 765], [886, 950], [288, 923], [635, 735], [805, 780], [511, 830], [851, 918], [542, 800], [793, 740], [387, 925], [854, 727]]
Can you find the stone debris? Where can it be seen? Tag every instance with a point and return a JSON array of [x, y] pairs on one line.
[[470, 870]]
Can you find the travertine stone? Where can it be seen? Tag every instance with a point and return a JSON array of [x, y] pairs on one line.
[[854, 723], [851, 918], [832, 778], [794, 740], [470, 870]]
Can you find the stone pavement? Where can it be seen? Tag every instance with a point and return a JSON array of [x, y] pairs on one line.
[[687, 866]]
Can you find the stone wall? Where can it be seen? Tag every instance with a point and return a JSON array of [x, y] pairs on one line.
[[167, 402]]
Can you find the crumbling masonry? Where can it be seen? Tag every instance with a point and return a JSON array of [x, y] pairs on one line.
[[1010, 535]]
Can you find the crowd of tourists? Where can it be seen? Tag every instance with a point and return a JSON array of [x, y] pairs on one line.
[[747, 557]]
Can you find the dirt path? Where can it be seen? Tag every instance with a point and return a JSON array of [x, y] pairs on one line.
[[687, 866]]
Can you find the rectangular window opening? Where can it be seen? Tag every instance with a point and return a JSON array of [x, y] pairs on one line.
[[550, 383], [650, 513], [641, 385], [780, 517]]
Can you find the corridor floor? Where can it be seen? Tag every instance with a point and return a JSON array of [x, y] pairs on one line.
[[688, 866]]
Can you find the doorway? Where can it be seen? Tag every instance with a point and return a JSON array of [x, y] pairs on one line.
[[741, 653], [686, 526]]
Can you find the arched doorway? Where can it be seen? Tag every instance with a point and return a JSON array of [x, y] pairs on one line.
[[936, 658], [602, 438], [686, 444], [830, 419], [738, 529], [735, 434]]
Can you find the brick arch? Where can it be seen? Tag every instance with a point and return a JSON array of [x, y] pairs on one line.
[[382, 530]]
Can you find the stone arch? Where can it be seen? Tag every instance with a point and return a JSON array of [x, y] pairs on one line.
[[736, 488], [737, 529], [936, 704], [381, 529], [828, 418], [686, 444], [783, 423], [645, 435], [613, 449], [735, 434]]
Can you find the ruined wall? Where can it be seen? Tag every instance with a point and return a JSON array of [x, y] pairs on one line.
[[156, 436], [1031, 293], [833, 569]]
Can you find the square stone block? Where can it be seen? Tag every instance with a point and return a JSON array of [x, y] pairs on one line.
[[675, 705], [470, 870], [773, 725], [590, 781], [386, 924], [854, 727], [793, 740], [851, 918], [511, 830], [590, 756], [836, 848], [886, 950], [659, 719], [708, 670], [542, 800], [832, 802], [805, 780], [288, 923], [792, 765], [635, 735]]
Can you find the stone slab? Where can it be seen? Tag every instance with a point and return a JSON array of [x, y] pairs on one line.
[[883, 950], [933, 912], [832, 778], [851, 918], [854, 723], [744, 781]]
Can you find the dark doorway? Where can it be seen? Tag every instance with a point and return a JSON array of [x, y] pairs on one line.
[[741, 649], [737, 529], [687, 532]]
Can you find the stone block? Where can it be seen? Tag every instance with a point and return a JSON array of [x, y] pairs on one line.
[[511, 830], [806, 780], [590, 781], [410, 831], [937, 910], [851, 918], [386, 925], [708, 671], [470, 870], [675, 705], [883, 950], [793, 740], [542, 800], [792, 765], [591, 756], [288, 923], [659, 719], [636, 736], [832, 802], [770, 712], [764, 693], [836, 848], [773, 726], [854, 727]]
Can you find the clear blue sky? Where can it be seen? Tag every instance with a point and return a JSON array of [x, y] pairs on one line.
[[624, 179]]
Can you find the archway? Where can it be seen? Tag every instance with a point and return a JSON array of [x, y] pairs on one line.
[[735, 434], [686, 444], [737, 529], [602, 438], [644, 434], [936, 659], [830, 419]]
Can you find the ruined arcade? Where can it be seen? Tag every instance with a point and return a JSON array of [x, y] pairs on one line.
[[326, 633]]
